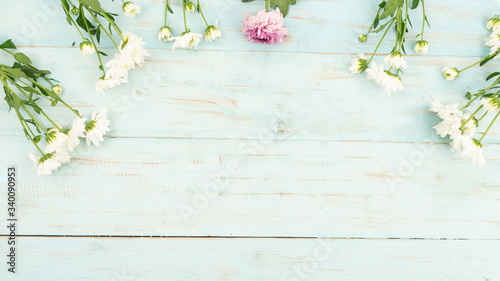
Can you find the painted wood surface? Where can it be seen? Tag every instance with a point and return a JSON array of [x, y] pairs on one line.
[[266, 148]]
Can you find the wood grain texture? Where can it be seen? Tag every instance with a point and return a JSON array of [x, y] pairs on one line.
[[268, 144], [140, 259]]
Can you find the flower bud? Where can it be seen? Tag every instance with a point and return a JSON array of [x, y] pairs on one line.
[[190, 7], [494, 24], [212, 33], [75, 11], [491, 104], [57, 89], [53, 103], [165, 34], [421, 47], [362, 38], [450, 73], [37, 139], [130, 9], [87, 48]]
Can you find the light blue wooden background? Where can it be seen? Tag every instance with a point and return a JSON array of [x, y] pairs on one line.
[[318, 175]]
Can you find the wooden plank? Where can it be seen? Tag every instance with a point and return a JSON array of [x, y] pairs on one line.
[[143, 186], [326, 26], [142, 259], [237, 95]]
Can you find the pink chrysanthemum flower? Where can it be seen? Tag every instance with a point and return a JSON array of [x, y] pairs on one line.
[[266, 27]]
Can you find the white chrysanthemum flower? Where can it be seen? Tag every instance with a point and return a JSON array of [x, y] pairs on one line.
[[388, 81], [165, 34], [76, 131], [450, 73], [56, 141], [117, 70], [491, 104], [190, 7], [472, 149], [212, 33], [130, 9], [359, 64], [494, 24], [57, 89], [469, 128], [105, 84], [444, 111], [131, 50], [49, 162], [396, 60], [450, 126], [187, 40], [87, 48], [97, 127], [421, 47], [493, 41]]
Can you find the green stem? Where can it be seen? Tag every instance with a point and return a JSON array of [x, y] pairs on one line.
[[423, 21], [481, 94], [112, 24], [373, 23], [403, 33], [73, 21], [166, 12], [489, 127], [23, 121], [380, 42], [184, 13], [103, 28], [34, 119], [484, 115], [470, 118], [201, 13], [267, 5], [474, 64], [93, 43]]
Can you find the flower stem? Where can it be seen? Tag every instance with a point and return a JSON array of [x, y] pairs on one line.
[[166, 12], [403, 33], [93, 43], [489, 127], [201, 13], [73, 21], [267, 5], [373, 23], [481, 94], [184, 13], [112, 24], [380, 42], [34, 118], [103, 28], [423, 21], [22, 121], [470, 118]]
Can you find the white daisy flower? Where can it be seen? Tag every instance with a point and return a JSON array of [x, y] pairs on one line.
[[358, 65], [105, 84], [187, 41], [56, 141], [469, 128], [421, 47], [444, 111], [117, 70], [212, 33], [450, 73], [449, 126], [472, 149], [87, 48], [493, 41], [396, 60], [388, 81], [76, 131], [165, 34], [97, 127], [130, 9], [49, 162], [131, 50], [491, 104]]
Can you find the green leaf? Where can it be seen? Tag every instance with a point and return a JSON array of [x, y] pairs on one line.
[[492, 75], [8, 45], [16, 73], [414, 5], [93, 4], [170, 9], [283, 5], [22, 58]]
